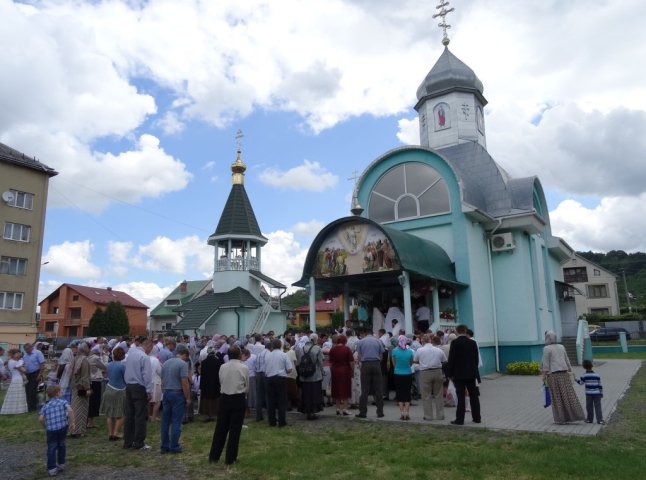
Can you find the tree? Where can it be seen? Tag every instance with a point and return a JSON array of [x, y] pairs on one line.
[[97, 326], [116, 319]]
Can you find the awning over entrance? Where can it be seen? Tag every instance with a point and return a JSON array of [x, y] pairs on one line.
[[373, 256]]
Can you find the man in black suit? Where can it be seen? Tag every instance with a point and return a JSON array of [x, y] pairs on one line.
[[463, 371]]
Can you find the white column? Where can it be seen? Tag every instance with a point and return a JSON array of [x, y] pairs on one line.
[[346, 302], [312, 305], [436, 308], [408, 310]]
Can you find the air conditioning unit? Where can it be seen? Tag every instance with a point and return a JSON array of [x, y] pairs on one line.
[[501, 242]]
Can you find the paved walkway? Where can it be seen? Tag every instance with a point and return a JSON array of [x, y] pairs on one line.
[[510, 402]]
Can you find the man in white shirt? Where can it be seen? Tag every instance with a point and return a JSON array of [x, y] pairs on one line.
[[234, 384], [277, 366], [430, 358], [423, 315]]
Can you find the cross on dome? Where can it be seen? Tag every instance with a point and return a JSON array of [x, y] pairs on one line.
[[445, 26]]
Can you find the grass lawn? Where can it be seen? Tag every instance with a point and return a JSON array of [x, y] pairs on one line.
[[334, 448]]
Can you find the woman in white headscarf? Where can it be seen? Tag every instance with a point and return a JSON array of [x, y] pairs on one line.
[[557, 371]]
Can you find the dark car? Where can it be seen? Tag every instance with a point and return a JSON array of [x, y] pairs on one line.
[[608, 334]]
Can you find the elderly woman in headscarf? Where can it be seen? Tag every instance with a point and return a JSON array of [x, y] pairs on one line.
[[557, 371], [97, 369], [402, 362], [64, 373], [81, 391], [210, 384]]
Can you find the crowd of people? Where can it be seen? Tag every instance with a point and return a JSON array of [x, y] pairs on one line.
[[261, 376]]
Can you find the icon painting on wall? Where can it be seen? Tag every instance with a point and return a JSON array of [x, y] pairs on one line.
[[353, 249]]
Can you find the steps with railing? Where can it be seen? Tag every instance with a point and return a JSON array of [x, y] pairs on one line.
[[570, 347], [262, 318]]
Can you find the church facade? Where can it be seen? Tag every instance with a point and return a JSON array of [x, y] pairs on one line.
[[444, 224]]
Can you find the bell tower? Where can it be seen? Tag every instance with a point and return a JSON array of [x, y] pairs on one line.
[[450, 100]]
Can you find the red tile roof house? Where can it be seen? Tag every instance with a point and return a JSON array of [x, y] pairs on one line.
[[66, 312], [324, 313]]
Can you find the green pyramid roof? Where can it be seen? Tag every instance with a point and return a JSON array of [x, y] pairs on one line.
[[197, 312], [237, 219]]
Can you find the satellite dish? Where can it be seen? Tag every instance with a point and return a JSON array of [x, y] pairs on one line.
[[7, 196]]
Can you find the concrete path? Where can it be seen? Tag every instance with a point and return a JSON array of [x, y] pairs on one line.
[[511, 402]]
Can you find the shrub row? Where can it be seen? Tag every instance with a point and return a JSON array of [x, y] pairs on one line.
[[523, 368]]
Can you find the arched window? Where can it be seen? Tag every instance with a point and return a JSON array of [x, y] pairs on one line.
[[409, 190], [442, 116]]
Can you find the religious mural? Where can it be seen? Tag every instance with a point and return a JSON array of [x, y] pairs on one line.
[[441, 115], [353, 249]]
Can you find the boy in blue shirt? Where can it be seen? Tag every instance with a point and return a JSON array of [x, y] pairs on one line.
[[55, 416], [593, 393]]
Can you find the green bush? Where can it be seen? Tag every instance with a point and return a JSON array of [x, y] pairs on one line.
[[523, 368]]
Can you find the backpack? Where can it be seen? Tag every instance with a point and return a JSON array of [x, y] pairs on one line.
[[307, 366]]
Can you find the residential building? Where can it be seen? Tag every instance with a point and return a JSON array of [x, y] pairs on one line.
[[595, 287], [24, 183], [66, 312], [164, 316], [325, 310]]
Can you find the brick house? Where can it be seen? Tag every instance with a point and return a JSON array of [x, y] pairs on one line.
[[66, 312]]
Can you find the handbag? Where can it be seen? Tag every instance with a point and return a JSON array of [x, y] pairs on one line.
[[547, 399]]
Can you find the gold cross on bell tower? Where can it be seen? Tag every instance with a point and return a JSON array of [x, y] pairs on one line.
[[238, 167], [443, 12]]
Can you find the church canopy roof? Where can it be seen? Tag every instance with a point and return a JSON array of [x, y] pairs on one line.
[[238, 219], [450, 73], [198, 311], [421, 258]]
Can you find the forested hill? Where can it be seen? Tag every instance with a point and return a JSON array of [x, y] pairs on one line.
[[634, 266]]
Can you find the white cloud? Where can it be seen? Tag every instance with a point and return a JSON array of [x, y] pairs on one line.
[[309, 176], [71, 259], [147, 293], [308, 229], [408, 131], [92, 180], [614, 224], [283, 258], [57, 79], [587, 153], [170, 123], [176, 256]]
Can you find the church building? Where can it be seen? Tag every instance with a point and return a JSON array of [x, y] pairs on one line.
[[242, 299], [444, 224]]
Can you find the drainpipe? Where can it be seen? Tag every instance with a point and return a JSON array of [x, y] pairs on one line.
[[493, 296], [238, 328]]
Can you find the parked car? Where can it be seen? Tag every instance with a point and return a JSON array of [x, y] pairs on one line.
[[608, 334]]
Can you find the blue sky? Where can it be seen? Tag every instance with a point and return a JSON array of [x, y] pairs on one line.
[[137, 105]]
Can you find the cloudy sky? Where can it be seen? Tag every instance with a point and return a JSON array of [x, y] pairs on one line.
[[136, 103]]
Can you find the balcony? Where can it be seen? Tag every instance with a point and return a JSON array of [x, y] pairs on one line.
[[236, 264]]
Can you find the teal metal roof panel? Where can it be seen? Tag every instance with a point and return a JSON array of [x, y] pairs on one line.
[[198, 311]]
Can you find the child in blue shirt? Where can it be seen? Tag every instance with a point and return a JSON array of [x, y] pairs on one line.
[[593, 393], [55, 416]]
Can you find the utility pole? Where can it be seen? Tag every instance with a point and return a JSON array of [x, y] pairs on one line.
[[630, 309]]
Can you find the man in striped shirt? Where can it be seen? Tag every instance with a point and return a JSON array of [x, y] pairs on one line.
[[593, 393]]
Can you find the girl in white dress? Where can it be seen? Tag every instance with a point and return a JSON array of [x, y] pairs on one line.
[[15, 401]]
